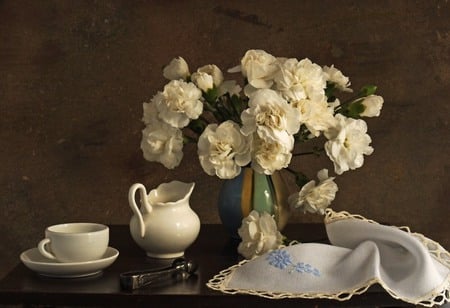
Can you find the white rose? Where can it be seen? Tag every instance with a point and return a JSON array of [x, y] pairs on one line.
[[316, 115], [203, 81], [271, 117], [268, 157], [347, 143], [162, 143], [176, 69], [298, 80], [179, 103], [259, 235], [223, 150], [372, 106], [336, 77], [315, 198], [259, 67]]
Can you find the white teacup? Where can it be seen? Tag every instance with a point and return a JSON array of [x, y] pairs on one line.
[[75, 242]]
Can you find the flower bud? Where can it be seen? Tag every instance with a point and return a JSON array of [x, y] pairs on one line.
[[203, 81], [372, 106], [214, 71], [176, 69]]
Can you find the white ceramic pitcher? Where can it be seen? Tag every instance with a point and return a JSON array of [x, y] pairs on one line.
[[164, 225]]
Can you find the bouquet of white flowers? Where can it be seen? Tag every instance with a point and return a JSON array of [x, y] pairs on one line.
[[283, 101]]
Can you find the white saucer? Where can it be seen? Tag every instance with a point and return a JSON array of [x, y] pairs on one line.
[[46, 267]]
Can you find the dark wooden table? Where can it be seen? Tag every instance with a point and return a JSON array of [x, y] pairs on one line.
[[213, 251]]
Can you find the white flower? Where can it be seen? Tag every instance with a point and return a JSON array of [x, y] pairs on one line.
[[203, 81], [268, 157], [284, 101], [207, 77], [230, 87], [347, 143], [316, 115], [150, 113], [176, 69], [249, 90], [271, 117], [298, 80], [259, 235], [223, 150], [179, 103], [162, 143], [214, 71], [259, 67], [315, 199], [372, 105], [336, 77]]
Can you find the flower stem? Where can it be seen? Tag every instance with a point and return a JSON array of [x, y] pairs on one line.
[[290, 170], [315, 151], [189, 139]]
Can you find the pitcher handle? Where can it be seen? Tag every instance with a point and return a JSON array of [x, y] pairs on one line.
[[134, 206]]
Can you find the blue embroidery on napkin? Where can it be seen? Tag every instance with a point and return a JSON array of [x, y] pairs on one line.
[[282, 259]]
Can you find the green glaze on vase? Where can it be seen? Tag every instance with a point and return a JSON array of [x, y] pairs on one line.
[[252, 191]]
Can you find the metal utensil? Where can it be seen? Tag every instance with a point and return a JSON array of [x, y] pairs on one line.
[[179, 270]]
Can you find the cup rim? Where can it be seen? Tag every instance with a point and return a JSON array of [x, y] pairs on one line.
[[93, 228]]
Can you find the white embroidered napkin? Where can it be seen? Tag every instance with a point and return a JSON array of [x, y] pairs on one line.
[[408, 265]]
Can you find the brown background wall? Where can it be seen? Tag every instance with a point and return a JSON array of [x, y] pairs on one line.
[[73, 76]]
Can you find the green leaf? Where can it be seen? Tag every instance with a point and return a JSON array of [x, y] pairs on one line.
[[301, 179], [329, 90], [211, 95], [237, 103], [197, 126], [356, 108], [368, 90]]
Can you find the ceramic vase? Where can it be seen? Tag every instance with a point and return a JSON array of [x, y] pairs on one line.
[[252, 191]]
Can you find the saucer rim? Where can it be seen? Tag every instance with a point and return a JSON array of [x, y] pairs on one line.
[[68, 270], [114, 251]]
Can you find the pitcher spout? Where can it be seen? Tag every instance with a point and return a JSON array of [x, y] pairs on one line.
[[171, 193]]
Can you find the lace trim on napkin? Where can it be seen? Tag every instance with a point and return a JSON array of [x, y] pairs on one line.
[[438, 296]]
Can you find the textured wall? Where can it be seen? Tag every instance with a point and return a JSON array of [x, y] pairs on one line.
[[73, 76]]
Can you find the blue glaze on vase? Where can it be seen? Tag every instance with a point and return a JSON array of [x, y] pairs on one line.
[[230, 204], [252, 191]]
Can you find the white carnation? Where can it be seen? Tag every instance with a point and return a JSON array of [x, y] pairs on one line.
[[223, 150], [347, 142], [268, 157], [336, 77], [176, 69], [271, 117], [230, 87], [214, 71], [259, 67], [203, 81], [259, 235], [150, 114], [315, 198], [162, 143], [372, 106], [316, 115], [298, 80], [179, 103]]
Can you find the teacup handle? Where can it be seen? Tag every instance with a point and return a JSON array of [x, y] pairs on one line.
[[43, 251]]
